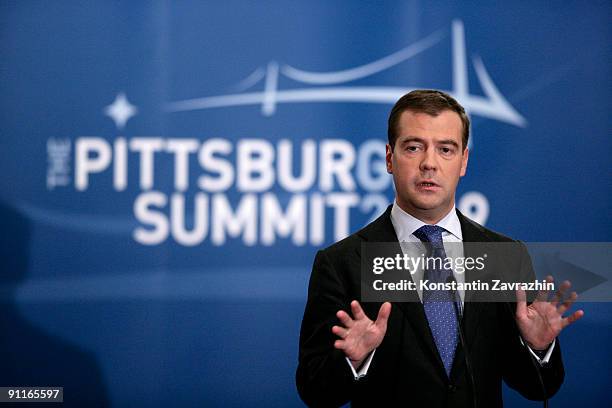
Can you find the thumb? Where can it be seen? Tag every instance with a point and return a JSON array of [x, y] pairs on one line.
[[383, 316]]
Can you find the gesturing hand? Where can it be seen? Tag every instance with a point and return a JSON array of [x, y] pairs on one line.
[[360, 335], [542, 321]]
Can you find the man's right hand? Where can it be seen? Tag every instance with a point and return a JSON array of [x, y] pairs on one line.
[[360, 335]]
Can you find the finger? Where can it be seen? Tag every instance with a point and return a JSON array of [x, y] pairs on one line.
[[572, 318], [383, 315], [340, 344], [568, 303], [521, 303], [560, 294], [564, 287], [340, 331], [543, 294], [358, 313], [345, 319]]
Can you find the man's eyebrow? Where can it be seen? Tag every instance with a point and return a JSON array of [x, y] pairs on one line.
[[412, 139], [448, 141], [409, 139]]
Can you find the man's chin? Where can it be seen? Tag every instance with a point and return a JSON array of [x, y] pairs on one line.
[[429, 206]]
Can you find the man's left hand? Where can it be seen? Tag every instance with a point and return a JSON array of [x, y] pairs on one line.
[[542, 321]]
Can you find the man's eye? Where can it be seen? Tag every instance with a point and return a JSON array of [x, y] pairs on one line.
[[412, 148], [446, 150]]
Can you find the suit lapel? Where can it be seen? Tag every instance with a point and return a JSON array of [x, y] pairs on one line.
[[471, 308]]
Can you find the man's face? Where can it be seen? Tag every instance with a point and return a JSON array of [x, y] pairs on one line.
[[427, 162]]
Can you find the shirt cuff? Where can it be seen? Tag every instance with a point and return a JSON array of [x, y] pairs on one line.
[[543, 360], [363, 370]]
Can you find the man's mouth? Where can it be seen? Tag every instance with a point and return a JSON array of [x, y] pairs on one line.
[[427, 185]]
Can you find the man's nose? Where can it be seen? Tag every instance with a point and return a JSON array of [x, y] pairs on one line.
[[429, 160]]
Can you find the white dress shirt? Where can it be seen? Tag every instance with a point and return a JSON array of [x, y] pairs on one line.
[[405, 225]]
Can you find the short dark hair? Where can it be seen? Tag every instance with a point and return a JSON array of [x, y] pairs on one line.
[[431, 102]]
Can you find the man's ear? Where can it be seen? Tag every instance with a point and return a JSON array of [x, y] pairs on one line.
[[464, 161], [389, 159]]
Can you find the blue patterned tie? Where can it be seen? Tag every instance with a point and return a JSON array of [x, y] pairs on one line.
[[438, 304]]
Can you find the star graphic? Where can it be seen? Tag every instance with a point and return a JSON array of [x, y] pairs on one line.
[[121, 110]]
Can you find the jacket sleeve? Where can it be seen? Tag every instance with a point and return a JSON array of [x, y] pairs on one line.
[[520, 368], [323, 376]]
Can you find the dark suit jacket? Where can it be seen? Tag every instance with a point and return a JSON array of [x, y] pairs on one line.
[[406, 369]]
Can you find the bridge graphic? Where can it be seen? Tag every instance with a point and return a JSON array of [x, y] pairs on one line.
[[326, 85]]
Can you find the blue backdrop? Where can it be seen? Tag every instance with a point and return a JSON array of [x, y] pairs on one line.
[[170, 169]]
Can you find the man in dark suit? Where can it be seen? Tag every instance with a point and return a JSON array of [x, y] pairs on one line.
[[409, 353]]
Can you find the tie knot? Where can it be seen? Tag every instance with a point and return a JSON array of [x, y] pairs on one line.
[[430, 233]]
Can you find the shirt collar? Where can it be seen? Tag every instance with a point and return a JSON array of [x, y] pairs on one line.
[[405, 224]]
